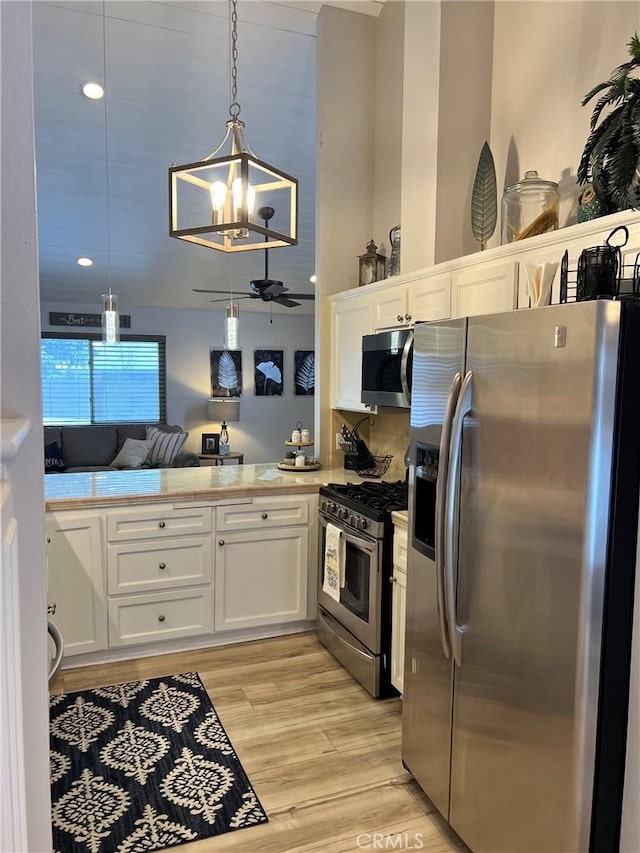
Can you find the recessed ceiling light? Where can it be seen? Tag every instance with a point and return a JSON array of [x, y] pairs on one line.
[[313, 278], [84, 262], [92, 90]]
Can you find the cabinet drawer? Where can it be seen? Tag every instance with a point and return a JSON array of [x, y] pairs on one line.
[[162, 616], [262, 513], [153, 523], [132, 567], [400, 547]]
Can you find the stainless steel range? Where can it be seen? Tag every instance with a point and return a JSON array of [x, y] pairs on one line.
[[356, 629]]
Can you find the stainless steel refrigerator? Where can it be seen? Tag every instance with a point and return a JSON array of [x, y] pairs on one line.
[[523, 512]]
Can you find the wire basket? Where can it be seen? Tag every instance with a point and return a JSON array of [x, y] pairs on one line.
[[379, 469]]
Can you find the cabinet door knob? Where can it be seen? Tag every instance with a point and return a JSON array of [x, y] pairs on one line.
[[407, 316], [162, 565], [48, 540], [392, 580], [51, 609], [220, 541], [265, 515], [161, 524], [400, 318], [161, 618]]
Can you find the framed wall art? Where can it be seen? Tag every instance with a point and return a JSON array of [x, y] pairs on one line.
[[226, 372], [268, 371], [304, 372]]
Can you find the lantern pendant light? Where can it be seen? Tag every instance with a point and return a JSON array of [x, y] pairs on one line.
[[212, 202]]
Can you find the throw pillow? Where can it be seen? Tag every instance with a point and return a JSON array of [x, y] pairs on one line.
[[133, 454], [53, 461], [165, 446]]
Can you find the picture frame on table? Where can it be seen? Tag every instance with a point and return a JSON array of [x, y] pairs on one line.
[[210, 443]]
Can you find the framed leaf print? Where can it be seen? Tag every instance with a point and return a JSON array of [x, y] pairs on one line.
[[304, 372], [226, 372], [268, 364]]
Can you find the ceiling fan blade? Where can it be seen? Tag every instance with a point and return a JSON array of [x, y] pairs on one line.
[[234, 298], [285, 301], [301, 295], [198, 290]]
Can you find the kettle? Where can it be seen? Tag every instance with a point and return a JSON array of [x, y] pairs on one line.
[[394, 260]]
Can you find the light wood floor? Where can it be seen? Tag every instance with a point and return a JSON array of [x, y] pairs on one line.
[[322, 755]]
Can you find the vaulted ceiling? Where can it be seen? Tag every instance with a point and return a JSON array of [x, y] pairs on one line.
[[102, 165]]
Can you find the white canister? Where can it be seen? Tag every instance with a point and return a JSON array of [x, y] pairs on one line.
[[295, 437], [301, 460], [305, 436]]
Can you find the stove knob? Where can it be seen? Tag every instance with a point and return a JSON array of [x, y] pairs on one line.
[[331, 506], [352, 520], [342, 514], [362, 523]]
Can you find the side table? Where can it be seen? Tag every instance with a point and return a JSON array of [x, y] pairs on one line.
[[217, 459]]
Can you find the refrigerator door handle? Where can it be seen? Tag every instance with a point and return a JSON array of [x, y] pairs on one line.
[[441, 491], [451, 517], [403, 366]]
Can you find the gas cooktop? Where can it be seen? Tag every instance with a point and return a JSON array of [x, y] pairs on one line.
[[375, 500]]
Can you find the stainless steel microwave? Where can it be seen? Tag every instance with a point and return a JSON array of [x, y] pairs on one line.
[[387, 361]]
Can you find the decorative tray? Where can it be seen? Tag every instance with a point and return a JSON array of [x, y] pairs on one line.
[[291, 466], [299, 443]]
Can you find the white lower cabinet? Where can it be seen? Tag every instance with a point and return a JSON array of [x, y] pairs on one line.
[[398, 606], [135, 619], [159, 581], [261, 563], [75, 581]]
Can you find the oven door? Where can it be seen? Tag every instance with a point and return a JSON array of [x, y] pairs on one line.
[[359, 608]]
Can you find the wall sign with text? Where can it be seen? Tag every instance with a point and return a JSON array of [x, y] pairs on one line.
[[83, 321]]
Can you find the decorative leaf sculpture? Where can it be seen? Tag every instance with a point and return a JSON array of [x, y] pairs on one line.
[[306, 377], [484, 199], [227, 373]]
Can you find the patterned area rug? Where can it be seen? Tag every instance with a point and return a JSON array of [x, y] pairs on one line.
[[143, 766]]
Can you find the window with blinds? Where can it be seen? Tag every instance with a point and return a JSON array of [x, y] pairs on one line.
[[85, 381]]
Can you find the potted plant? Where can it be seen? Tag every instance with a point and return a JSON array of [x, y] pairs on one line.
[[611, 157]]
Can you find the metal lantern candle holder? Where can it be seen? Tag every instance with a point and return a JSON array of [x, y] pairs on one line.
[[373, 265]]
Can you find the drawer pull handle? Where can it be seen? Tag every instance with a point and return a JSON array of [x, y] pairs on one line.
[[161, 524], [220, 541], [265, 515], [162, 566], [161, 618]]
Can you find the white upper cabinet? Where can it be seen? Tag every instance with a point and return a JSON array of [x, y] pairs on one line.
[[485, 289], [410, 301], [351, 319]]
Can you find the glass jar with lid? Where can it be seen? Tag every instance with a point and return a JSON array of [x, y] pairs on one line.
[[529, 207]]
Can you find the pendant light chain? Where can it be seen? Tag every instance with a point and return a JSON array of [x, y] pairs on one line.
[[106, 138], [234, 107]]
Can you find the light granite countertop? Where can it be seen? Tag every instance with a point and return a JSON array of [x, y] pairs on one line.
[[215, 484], [400, 518]]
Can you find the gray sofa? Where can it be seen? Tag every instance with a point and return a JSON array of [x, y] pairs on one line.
[[93, 447]]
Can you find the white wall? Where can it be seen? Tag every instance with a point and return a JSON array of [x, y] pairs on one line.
[[265, 422], [546, 57], [20, 387]]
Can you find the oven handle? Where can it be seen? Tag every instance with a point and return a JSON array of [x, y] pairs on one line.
[[56, 636], [364, 544], [452, 516], [342, 639], [441, 492], [403, 366]]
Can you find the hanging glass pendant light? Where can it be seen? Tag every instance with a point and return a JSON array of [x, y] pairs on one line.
[[110, 318], [232, 327], [212, 202]]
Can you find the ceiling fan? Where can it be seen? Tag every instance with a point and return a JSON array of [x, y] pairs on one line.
[[267, 289]]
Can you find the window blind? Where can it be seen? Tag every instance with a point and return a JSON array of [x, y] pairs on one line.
[[86, 381]]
